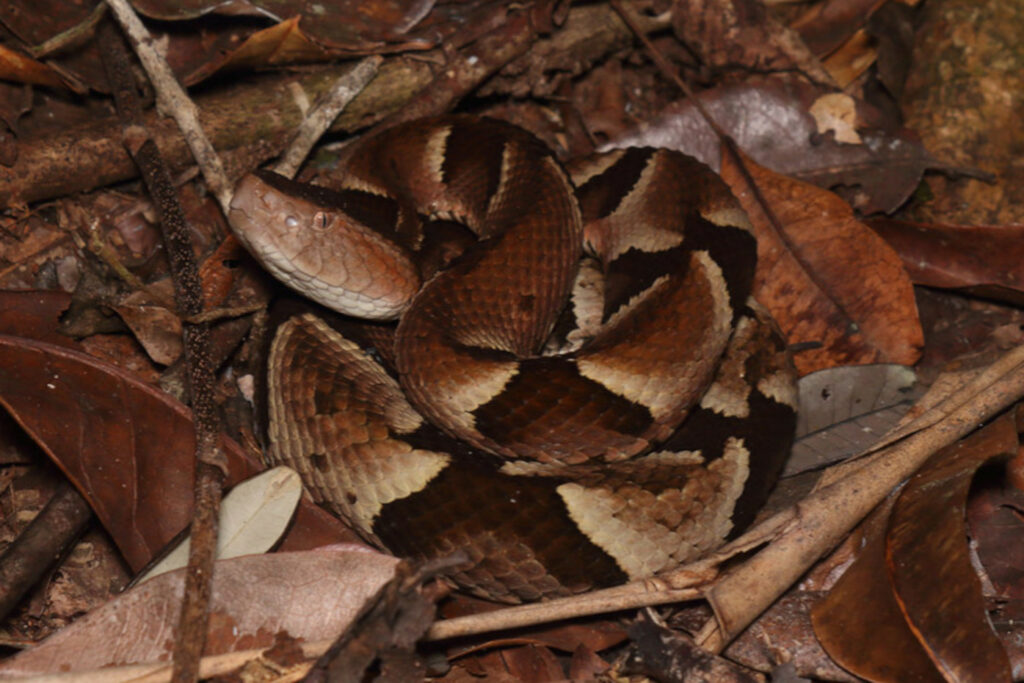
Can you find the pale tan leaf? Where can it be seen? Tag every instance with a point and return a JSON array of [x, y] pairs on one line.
[[310, 595], [253, 515]]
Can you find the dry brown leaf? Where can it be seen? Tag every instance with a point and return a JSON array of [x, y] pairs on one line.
[[586, 665], [928, 560], [22, 69], [861, 609], [35, 314], [527, 663], [987, 260], [156, 328], [827, 279], [825, 25], [997, 526], [844, 410], [127, 447], [282, 43], [913, 594]]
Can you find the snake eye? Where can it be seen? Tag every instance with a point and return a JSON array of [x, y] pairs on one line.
[[322, 220]]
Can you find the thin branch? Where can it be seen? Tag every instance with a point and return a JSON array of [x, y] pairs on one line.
[[173, 99], [41, 544], [628, 596], [817, 523], [263, 110], [210, 462], [325, 111]]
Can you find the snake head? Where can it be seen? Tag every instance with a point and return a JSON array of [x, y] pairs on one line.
[[301, 234]]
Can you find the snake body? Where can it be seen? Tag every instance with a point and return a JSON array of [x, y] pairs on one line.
[[579, 389]]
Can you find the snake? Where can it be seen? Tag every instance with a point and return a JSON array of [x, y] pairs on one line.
[[556, 371]]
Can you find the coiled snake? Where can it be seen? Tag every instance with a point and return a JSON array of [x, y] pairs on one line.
[[579, 389]]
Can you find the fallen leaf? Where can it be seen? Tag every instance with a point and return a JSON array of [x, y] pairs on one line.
[[929, 563], [253, 516], [861, 610], [914, 594], [586, 665], [997, 525], [527, 663], [827, 279], [985, 260], [156, 328], [127, 447], [892, 28], [281, 43], [309, 595], [826, 25], [771, 122], [19, 68], [830, 396], [35, 314], [845, 410]]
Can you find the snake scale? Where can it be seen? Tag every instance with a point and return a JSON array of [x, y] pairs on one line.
[[565, 376]]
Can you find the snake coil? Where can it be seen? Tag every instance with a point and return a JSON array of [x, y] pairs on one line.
[[579, 389]]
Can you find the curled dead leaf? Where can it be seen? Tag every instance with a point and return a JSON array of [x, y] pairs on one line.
[[913, 593]]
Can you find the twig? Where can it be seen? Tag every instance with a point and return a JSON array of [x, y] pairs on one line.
[[41, 544], [819, 521], [173, 99], [325, 111], [223, 313], [628, 596], [210, 463]]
